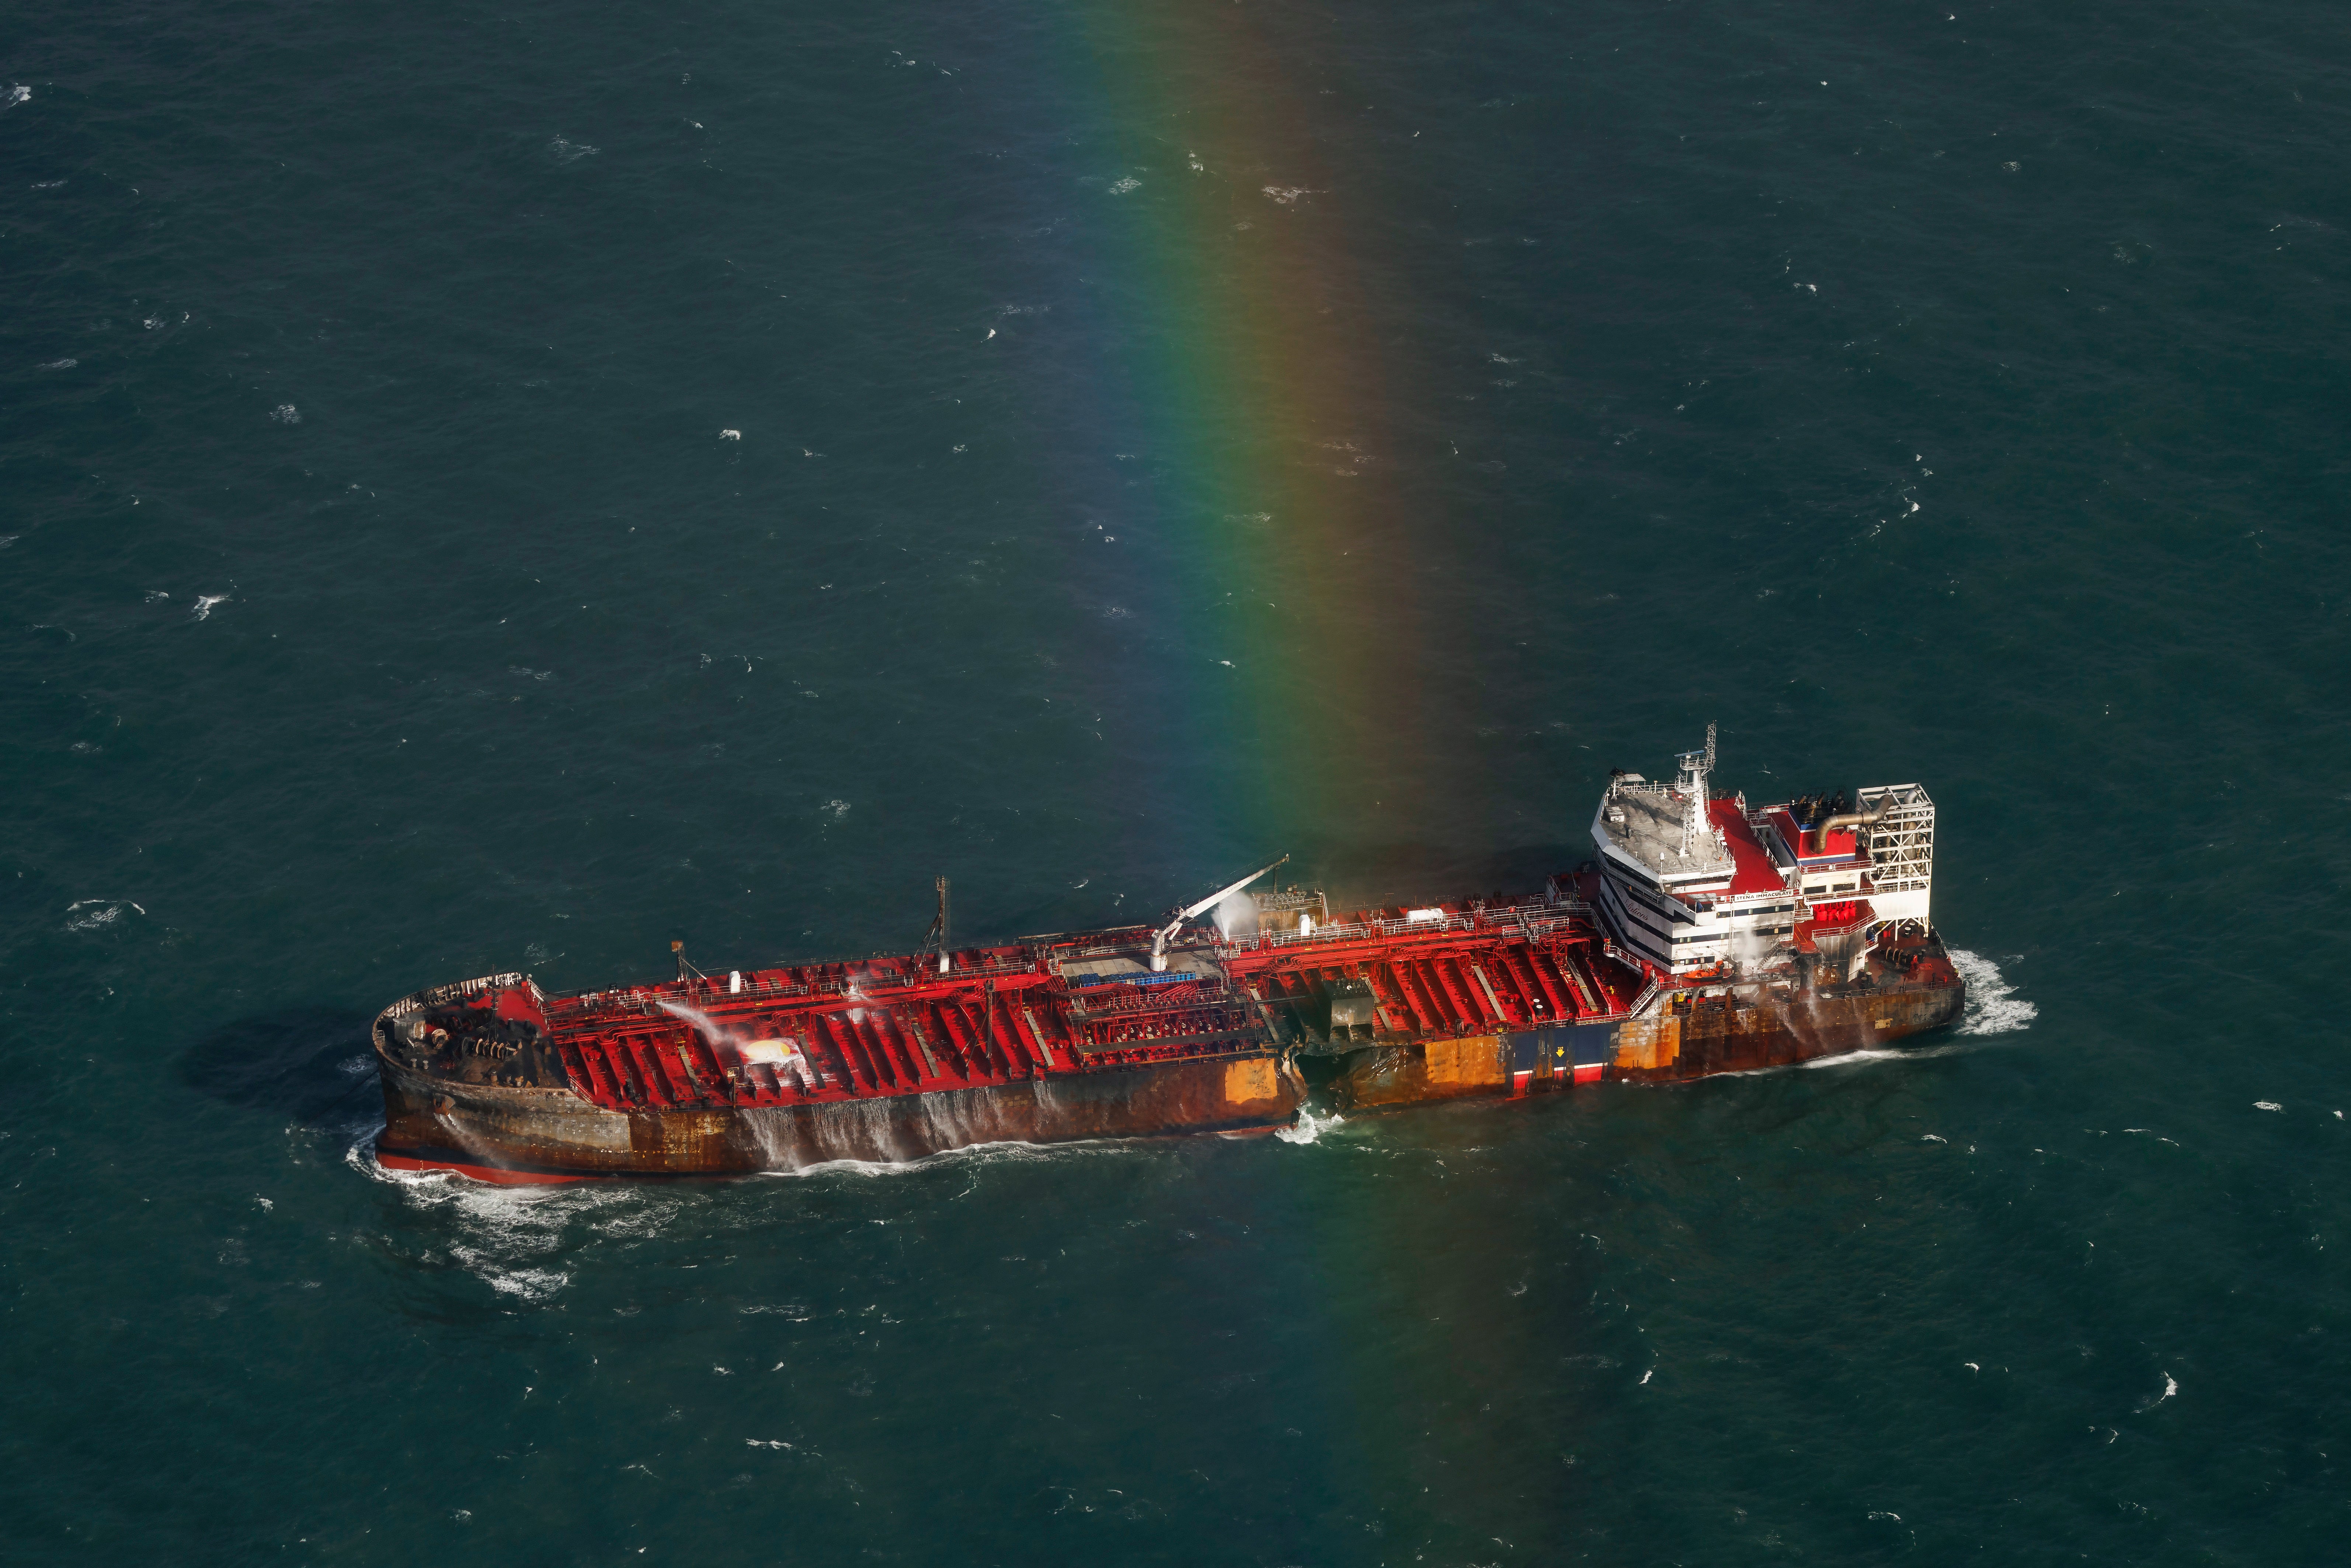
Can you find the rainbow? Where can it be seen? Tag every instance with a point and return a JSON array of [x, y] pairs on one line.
[[1259, 387]]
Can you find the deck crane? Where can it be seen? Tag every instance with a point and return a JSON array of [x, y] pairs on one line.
[[1167, 932]]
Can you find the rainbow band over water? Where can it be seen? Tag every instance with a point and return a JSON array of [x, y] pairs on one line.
[[1256, 383]]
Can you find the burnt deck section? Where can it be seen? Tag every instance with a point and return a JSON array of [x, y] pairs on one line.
[[1458, 971]]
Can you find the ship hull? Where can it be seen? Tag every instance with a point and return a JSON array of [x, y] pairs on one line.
[[1102, 1034], [508, 1135], [1679, 1037], [531, 1136]]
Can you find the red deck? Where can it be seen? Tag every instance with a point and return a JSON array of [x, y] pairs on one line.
[[1751, 867], [896, 1026]]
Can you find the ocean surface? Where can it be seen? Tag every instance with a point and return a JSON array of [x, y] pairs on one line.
[[511, 488]]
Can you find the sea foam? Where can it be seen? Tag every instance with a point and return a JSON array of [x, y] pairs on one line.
[[516, 1239], [1993, 1007]]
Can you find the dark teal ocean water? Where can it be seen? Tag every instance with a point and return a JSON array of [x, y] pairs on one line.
[[1953, 394]]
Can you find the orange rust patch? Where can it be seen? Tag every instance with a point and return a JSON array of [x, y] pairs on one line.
[[1477, 1060], [1248, 1082]]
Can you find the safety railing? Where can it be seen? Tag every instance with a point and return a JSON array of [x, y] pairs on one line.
[[451, 992], [646, 1000], [1534, 920], [1085, 1007]]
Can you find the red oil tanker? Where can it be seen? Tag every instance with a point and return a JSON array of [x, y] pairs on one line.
[[1707, 936]]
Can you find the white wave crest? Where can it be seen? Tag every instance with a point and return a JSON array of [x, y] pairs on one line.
[[1993, 1007], [93, 913]]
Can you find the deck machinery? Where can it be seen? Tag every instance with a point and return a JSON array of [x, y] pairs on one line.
[[1706, 938]]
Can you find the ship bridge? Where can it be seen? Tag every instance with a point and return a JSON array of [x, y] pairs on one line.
[[1692, 881], [1688, 883]]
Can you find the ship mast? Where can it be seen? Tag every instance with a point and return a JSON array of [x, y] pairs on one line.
[[935, 939], [1697, 832]]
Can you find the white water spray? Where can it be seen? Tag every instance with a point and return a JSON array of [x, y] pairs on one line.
[[745, 1050], [702, 1020], [1237, 916], [1747, 949], [1308, 1127]]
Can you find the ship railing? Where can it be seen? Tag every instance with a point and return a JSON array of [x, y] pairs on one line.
[[1231, 1044], [877, 987], [776, 988], [1026, 965], [753, 987], [451, 992], [645, 1000], [1107, 950], [1647, 993], [868, 983], [1536, 918], [1541, 920], [601, 1004], [1535, 921], [1210, 992]]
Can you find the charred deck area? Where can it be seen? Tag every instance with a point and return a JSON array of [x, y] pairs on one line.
[[1452, 970]]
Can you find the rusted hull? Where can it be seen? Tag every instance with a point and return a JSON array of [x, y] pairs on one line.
[[1730, 1033], [524, 1134], [1415, 1074], [1734, 1036]]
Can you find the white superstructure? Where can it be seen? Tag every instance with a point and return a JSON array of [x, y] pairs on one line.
[[1690, 882], [1900, 849]]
